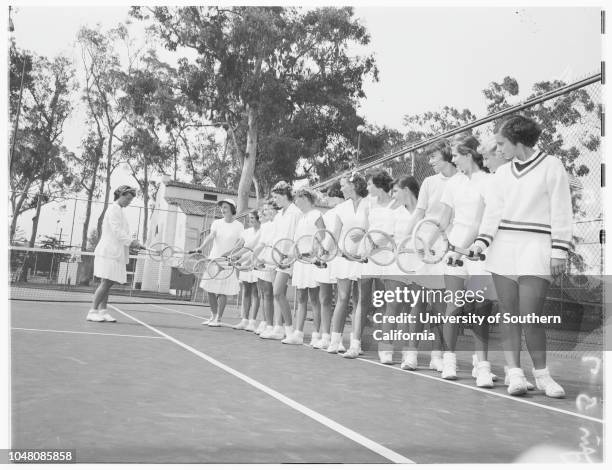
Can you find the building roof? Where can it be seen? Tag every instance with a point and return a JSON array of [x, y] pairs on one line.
[[208, 189], [191, 207]]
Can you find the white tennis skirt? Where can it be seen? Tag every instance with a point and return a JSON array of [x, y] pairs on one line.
[[514, 254], [267, 276], [229, 286], [304, 276], [247, 276], [343, 268], [430, 276], [113, 270], [323, 275]]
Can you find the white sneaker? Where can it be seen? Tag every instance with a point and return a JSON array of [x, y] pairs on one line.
[[517, 383], [410, 360], [494, 377], [241, 325], [449, 366], [341, 348], [334, 344], [252, 326], [315, 338], [214, 323], [386, 357], [261, 328], [94, 315], [277, 333], [267, 333], [484, 377], [296, 338], [530, 386], [436, 361], [324, 342], [353, 350], [107, 316], [547, 384], [206, 322]]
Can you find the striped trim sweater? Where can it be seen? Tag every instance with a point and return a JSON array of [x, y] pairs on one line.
[[530, 197]]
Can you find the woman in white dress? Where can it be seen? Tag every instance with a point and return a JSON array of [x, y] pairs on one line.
[[112, 253], [250, 294], [321, 339], [380, 217], [405, 195], [350, 214], [224, 234], [304, 275], [266, 278], [285, 223], [431, 276]]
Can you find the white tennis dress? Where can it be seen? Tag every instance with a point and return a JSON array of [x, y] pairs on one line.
[[380, 217], [265, 237], [304, 274], [350, 218], [250, 237], [112, 251], [226, 234], [432, 275], [323, 275], [285, 224], [403, 221]]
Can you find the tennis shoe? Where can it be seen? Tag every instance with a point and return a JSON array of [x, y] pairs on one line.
[[94, 315], [436, 361], [484, 377], [107, 316], [410, 360], [252, 326], [547, 384], [530, 386], [241, 325], [517, 383], [449, 366]]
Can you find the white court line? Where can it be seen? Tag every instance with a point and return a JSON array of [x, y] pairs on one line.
[[177, 311], [87, 333], [484, 390], [325, 421]]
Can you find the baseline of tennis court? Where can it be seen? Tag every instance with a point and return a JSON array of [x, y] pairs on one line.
[[159, 387]]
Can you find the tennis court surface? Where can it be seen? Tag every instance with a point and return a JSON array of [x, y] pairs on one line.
[[159, 387]]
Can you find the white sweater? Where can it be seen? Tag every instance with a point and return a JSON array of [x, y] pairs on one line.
[[532, 197]]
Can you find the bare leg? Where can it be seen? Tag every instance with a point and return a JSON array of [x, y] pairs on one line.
[[282, 307], [316, 308], [481, 332], [212, 300], [302, 305], [363, 305], [507, 293], [453, 284], [246, 300], [221, 302], [267, 298], [254, 301], [341, 310], [532, 292], [101, 295], [325, 300]]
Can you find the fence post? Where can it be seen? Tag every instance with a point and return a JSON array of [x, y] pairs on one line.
[[412, 163]]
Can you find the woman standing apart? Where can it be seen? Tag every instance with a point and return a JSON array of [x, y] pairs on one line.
[[224, 234], [112, 253]]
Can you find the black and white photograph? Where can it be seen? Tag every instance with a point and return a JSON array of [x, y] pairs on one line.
[[327, 233]]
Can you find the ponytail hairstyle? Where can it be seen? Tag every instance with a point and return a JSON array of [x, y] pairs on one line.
[[468, 145]]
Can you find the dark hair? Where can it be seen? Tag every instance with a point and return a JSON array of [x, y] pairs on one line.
[[334, 190], [444, 147], [271, 202], [231, 206], [359, 183], [381, 179], [255, 213], [468, 145], [520, 130], [409, 182], [121, 190], [308, 194], [283, 188]]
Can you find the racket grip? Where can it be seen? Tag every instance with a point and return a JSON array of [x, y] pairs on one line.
[[457, 262], [480, 256]]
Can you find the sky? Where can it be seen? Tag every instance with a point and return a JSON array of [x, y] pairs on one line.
[[427, 57]]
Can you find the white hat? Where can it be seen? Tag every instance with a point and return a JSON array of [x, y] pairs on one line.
[[229, 201]]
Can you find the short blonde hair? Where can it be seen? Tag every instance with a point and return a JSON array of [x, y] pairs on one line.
[[309, 194]]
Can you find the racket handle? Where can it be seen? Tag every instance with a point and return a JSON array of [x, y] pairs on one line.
[[457, 262], [191, 252]]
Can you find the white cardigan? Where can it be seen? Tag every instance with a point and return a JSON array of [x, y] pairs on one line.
[[115, 240]]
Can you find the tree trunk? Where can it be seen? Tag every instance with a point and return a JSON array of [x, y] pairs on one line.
[[37, 214], [109, 170], [90, 194], [248, 166], [17, 211], [145, 198]]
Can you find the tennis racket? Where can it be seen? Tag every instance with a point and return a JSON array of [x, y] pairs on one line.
[[262, 258], [406, 258], [431, 244], [379, 247], [325, 246], [155, 251], [283, 253], [353, 246], [242, 259], [305, 251]]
